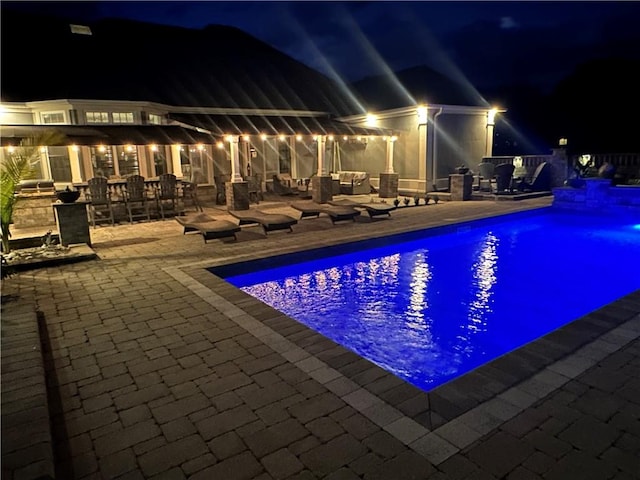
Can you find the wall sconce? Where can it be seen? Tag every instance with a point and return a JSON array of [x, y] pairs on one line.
[[422, 115], [491, 116], [562, 142], [372, 120]]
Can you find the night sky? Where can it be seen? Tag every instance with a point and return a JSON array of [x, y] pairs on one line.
[[486, 43]]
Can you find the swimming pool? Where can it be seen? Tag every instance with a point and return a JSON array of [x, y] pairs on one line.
[[433, 305]]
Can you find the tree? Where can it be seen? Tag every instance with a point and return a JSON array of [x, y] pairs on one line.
[[16, 166]]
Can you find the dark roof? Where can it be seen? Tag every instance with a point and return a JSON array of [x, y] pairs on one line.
[[414, 86], [273, 125], [217, 66], [109, 134]]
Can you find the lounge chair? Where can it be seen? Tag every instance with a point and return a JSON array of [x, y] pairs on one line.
[[268, 221], [335, 213], [486, 176], [541, 180], [504, 176], [373, 209], [209, 227], [282, 185]]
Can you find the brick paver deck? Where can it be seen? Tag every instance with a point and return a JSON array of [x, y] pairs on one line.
[[158, 369]]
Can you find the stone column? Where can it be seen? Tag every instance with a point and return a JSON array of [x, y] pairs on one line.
[[461, 185], [73, 223], [321, 183]]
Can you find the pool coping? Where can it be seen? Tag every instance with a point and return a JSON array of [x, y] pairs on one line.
[[445, 420]]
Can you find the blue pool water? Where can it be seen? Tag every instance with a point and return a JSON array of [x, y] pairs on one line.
[[430, 309]]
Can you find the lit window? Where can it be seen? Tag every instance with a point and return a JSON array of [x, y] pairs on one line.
[[52, 117], [120, 117], [155, 119], [97, 117], [80, 29]]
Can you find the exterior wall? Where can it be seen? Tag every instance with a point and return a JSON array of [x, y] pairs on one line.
[[460, 141]]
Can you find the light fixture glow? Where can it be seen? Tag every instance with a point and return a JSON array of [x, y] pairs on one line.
[[154, 148], [491, 116], [372, 120], [263, 136], [299, 138], [422, 114], [220, 145]]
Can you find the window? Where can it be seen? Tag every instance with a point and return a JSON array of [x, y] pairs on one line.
[[80, 29], [155, 119], [97, 117], [102, 161], [59, 163], [120, 117], [159, 159], [284, 157], [52, 117], [127, 160]]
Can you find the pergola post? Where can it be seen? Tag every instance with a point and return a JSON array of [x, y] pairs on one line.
[[321, 183], [237, 190], [388, 178]]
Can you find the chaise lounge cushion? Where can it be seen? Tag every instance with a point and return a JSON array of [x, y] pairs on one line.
[[268, 221], [209, 227], [335, 213]]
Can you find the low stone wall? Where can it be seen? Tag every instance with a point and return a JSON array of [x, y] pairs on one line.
[[599, 195], [34, 210]]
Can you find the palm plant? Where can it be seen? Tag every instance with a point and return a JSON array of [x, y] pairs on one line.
[[16, 166]]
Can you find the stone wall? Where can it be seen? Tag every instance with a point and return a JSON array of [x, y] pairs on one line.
[[34, 210], [599, 195]]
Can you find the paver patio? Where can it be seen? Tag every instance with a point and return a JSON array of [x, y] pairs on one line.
[[158, 369]]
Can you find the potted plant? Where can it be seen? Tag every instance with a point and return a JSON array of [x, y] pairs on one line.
[[396, 202], [406, 201], [16, 166], [416, 200]]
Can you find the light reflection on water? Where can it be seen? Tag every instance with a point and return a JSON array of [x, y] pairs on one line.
[[432, 309]]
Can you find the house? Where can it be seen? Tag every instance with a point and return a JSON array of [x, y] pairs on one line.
[[133, 97]]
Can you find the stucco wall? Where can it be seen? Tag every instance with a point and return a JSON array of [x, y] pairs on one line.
[[460, 141]]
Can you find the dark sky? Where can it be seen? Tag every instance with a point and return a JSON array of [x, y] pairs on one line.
[[486, 43]]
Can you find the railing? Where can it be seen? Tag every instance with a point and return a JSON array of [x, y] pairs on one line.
[[627, 164]]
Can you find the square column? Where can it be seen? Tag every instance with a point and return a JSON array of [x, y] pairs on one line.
[[461, 185], [237, 195], [322, 188], [73, 223], [388, 185]]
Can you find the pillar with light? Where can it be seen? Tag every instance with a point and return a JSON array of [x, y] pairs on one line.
[[321, 183]]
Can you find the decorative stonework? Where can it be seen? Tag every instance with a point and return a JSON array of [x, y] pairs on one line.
[[461, 186], [598, 195], [388, 185], [237, 195], [322, 188], [34, 210]]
